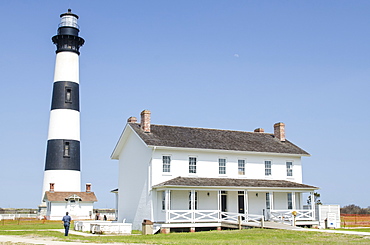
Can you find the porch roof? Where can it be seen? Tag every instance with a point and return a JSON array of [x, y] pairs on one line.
[[228, 182], [215, 139]]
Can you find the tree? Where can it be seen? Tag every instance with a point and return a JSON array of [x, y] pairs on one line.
[[316, 199], [354, 209]]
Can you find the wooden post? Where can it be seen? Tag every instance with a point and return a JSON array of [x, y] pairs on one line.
[[263, 221], [239, 222], [294, 217]]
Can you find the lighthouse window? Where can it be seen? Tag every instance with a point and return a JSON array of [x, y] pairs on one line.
[[68, 95], [66, 149]]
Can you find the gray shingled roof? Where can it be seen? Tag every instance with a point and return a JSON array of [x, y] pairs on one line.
[[226, 182], [186, 137], [60, 196]]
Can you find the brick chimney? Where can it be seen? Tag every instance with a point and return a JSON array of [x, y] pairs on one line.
[[132, 120], [279, 131], [145, 121], [51, 187], [88, 187], [259, 130]]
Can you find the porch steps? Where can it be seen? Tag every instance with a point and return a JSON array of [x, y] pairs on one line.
[[275, 225], [235, 225], [266, 225]]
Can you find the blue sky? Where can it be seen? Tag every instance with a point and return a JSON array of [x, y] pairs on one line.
[[216, 64]]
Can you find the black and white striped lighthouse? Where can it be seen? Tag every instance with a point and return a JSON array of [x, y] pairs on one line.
[[62, 164]]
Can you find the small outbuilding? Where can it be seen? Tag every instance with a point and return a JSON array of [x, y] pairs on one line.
[[79, 205]]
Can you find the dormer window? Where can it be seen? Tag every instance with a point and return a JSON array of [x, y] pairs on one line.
[[74, 199]]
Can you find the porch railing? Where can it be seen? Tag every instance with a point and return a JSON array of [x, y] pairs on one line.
[[193, 216], [287, 215], [233, 217]]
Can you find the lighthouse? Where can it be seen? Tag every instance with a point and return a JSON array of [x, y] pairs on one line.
[[62, 163]]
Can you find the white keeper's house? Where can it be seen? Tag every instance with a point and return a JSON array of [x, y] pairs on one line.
[[196, 177]]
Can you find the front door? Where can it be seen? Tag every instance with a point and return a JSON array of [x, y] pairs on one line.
[[223, 201], [241, 202]]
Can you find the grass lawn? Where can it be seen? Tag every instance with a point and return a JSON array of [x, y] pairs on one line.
[[230, 237], [359, 229], [30, 224]]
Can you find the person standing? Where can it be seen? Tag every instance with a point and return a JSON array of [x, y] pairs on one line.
[[66, 221]]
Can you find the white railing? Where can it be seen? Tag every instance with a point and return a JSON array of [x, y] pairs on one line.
[[287, 215], [179, 216], [245, 218], [206, 215], [305, 215], [256, 218], [17, 216], [111, 228], [193, 216]]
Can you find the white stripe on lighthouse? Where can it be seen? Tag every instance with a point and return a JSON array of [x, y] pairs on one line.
[[66, 67], [64, 124]]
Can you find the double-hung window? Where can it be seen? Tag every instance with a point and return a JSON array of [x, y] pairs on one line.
[[268, 204], [289, 168], [195, 200], [290, 201], [166, 160], [163, 200], [241, 167], [267, 168], [192, 165], [222, 166]]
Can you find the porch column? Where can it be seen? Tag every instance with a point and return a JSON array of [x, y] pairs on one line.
[[219, 204], [167, 203], [313, 205], [271, 201], [246, 202], [293, 201], [193, 199], [192, 204], [271, 195]]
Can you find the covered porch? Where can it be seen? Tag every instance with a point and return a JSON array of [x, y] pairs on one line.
[[232, 204]]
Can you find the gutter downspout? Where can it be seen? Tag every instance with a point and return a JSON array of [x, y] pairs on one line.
[[150, 190]]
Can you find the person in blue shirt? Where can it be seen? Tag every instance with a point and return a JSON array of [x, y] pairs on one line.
[[66, 221]]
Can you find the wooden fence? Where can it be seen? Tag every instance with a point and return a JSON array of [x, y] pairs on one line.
[[355, 220]]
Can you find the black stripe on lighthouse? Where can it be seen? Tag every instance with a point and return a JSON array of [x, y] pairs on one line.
[[65, 96], [63, 155]]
